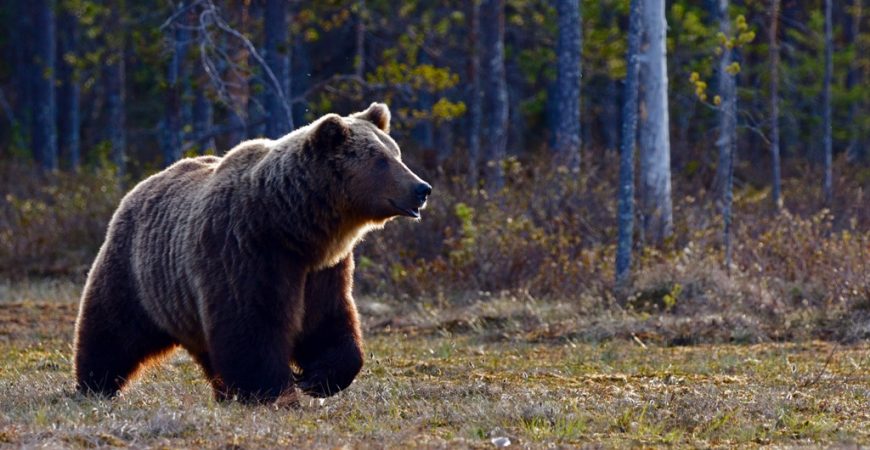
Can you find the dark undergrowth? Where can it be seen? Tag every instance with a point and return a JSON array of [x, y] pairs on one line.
[[548, 238]]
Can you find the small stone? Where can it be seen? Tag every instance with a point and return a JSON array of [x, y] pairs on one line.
[[500, 441]]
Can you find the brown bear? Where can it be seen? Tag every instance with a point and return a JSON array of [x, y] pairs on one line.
[[246, 262]]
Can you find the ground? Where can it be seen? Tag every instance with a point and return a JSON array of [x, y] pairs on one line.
[[451, 384]]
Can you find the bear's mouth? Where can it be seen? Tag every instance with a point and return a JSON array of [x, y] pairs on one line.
[[410, 212]]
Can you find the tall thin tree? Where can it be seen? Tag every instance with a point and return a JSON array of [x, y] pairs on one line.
[[654, 135], [774, 103], [474, 95], [495, 90], [360, 35], [826, 104], [69, 91], [203, 120], [277, 55], [44, 129], [727, 141], [176, 74], [568, 53], [115, 81], [626, 148]]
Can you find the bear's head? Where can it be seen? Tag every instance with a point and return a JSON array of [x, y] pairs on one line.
[[366, 165]]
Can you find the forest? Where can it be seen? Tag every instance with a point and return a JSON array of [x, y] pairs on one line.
[[638, 206]]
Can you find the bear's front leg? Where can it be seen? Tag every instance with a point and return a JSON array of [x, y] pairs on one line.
[[252, 364], [251, 339], [329, 351]]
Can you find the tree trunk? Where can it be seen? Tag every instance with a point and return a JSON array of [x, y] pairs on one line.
[[175, 80], [474, 96], [360, 35], [495, 92], [727, 141], [258, 88], [568, 53], [626, 148], [301, 64], [22, 77], [726, 90], [610, 116], [69, 92], [115, 73], [44, 126], [774, 104], [826, 103], [203, 118], [277, 49], [654, 136]]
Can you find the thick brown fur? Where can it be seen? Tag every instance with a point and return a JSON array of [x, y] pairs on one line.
[[246, 261]]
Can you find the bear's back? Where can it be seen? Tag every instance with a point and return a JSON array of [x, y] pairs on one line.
[[160, 215]]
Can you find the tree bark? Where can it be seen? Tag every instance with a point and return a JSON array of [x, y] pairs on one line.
[[115, 74], [826, 104], [568, 54], [44, 129], [726, 90], [474, 96], [727, 141], [277, 56], [495, 92], [22, 80], [203, 118], [654, 135], [360, 35], [301, 70], [69, 94], [258, 88], [175, 79], [626, 148], [774, 103]]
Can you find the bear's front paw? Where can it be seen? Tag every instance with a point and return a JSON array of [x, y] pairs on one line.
[[317, 384]]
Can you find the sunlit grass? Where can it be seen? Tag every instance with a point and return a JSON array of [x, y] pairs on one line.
[[435, 387]]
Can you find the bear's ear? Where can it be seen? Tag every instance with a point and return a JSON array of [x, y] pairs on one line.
[[330, 132], [378, 114]]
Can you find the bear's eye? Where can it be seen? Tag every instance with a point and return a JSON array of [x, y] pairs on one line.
[[382, 162]]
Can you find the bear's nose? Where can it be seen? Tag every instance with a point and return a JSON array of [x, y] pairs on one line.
[[423, 190]]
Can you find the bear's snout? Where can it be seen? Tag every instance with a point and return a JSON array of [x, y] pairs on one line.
[[423, 190]]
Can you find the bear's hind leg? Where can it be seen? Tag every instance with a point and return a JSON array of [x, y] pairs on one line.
[[114, 336], [217, 384]]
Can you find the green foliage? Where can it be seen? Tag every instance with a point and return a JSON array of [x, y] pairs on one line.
[[742, 36]]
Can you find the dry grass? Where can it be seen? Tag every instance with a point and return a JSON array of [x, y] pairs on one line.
[[442, 377]]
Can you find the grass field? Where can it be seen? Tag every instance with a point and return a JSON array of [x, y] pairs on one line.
[[449, 384]]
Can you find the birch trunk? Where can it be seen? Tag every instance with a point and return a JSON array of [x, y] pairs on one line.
[[69, 94], [654, 136], [826, 104], [626, 148], [774, 104], [174, 91], [115, 74], [474, 97], [727, 141], [44, 129], [277, 57], [496, 96], [568, 53]]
